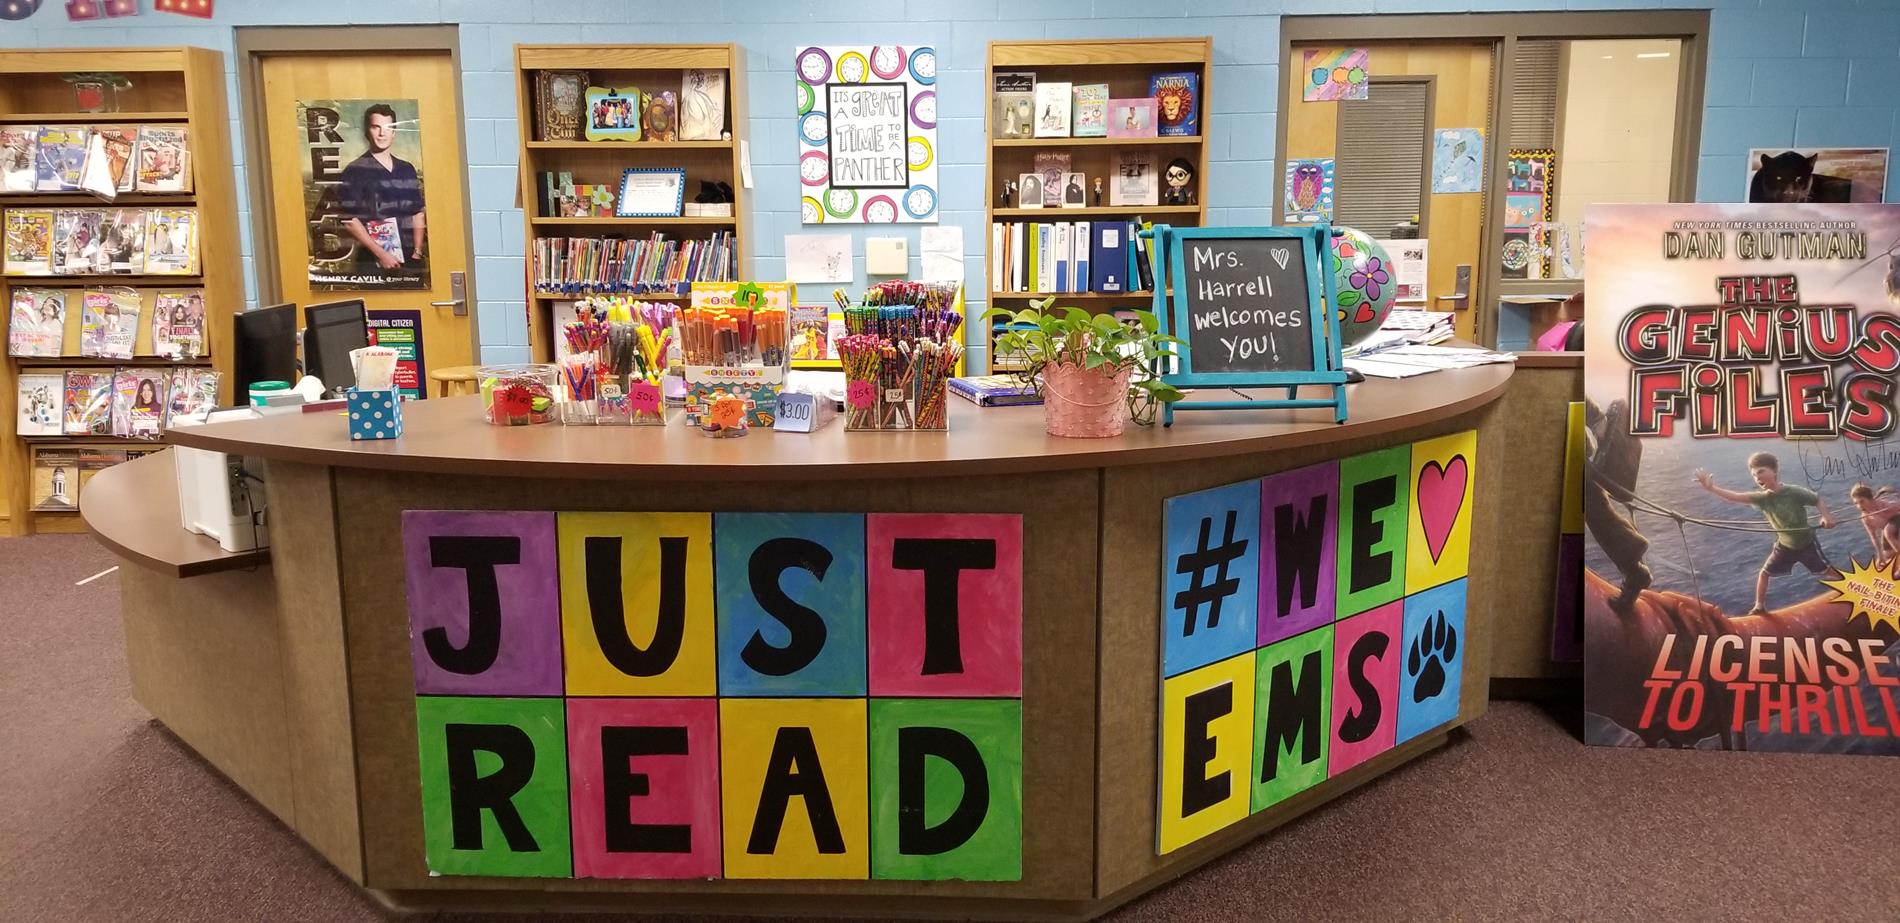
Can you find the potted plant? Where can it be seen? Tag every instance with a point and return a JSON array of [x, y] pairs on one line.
[[1094, 372]]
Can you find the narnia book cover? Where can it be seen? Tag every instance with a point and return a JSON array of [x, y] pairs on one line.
[[1741, 486]]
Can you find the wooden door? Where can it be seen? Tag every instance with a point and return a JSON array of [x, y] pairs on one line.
[[334, 192], [1460, 77]]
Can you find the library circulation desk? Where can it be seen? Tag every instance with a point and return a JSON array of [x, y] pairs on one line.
[[988, 673]]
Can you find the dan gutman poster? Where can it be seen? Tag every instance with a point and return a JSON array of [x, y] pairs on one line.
[[363, 194], [1742, 478]]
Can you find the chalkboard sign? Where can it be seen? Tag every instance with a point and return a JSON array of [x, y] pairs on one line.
[[1250, 306]]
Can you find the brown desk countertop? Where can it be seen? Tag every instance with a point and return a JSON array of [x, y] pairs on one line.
[[132, 508], [447, 436]]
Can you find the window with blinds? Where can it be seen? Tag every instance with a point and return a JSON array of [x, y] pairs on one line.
[[1379, 170], [1534, 83]]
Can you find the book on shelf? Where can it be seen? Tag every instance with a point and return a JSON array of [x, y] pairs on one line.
[[171, 242], [138, 401], [1051, 167], [29, 241], [653, 264], [1090, 118], [164, 159], [60, 155], [88, 402], [1052, 109], [36, 325], [1062, 257], [42, 402], [108, 322], [1013, 101], [19, 172], [55, 479], [702, 104], [77, 247], [178, 323], [994, 390], [1177, 103]]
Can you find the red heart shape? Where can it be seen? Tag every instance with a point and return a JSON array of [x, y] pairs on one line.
[[1365, 314], [1441, 494]]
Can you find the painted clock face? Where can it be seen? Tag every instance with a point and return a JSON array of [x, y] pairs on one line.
[[880, 210], [920, 201], [815, 127], [810, 212], [814, 66], [807, 97], [919, 153], [841, 202], [887, 62], [814, 169], [852, 67], [923, 109], [923, 65]]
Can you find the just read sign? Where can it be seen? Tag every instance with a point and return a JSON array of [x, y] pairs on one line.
[[701, 695]]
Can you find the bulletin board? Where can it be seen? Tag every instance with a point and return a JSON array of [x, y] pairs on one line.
[[867, 133]]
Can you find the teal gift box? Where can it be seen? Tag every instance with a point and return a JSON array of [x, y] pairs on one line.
[[374, 414]]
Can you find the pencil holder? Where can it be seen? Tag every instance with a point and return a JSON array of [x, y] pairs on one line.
[[374, 414], [634, 402]]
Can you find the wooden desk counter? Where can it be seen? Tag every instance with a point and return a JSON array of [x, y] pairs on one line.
[[322, 726], [132, 508]]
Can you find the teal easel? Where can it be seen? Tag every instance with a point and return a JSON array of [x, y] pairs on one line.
[[1173, 305]]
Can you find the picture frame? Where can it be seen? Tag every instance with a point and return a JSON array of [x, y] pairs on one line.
[[1132, 118], [558, 97], [1029, 190], [651, 192], [1075, 190]]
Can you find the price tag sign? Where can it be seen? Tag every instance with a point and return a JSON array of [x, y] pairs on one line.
[[797, 413]]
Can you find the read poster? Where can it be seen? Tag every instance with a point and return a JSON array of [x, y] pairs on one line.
[[363, 201], [1741, 490]]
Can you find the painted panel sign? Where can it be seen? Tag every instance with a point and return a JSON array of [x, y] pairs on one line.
[[867, 133], [1311, 620], [732, 695]]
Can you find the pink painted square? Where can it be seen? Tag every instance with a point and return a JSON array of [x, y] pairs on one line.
[[668, 799], [945, 604], [1366, 650]]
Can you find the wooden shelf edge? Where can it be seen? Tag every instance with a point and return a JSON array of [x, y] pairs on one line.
[[630, 145], [91, 118], [35, 362], [649, 296], [1098, 210], [662, 220], [1096, 142]]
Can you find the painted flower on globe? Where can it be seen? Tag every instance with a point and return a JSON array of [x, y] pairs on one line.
[[1371, 278]]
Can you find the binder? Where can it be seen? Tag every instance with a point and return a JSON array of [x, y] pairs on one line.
[[1065, 251], [1035, 257], [997, 260], [1080, 239], [1108, 262]]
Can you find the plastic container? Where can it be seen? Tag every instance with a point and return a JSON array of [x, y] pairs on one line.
[[262, 390], [519, 395]]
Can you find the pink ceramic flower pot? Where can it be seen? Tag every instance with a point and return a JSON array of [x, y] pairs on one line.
[[1085, 403]]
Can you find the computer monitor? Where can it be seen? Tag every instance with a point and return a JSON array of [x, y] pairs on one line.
[[330, 332], [266, 347]]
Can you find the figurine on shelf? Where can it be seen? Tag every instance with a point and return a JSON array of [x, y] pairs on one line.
[[1098, 192], [1180, 180], [1009, 191]]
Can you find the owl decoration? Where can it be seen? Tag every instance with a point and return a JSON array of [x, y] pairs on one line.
[[1308, 181]]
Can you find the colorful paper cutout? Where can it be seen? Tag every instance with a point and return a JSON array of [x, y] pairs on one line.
[[1336, 73], [644, 798], [1438, 538], [794, 788], [1433, 665], [484, 602], [1457, 160], [1299, 526], [1210, 574], [494, 786], [1293, 697], [1206, 751], [1308, 190], [945, 604], [1374, 499], [637, 603], [1366, 653], [791, 603], [946, 789]]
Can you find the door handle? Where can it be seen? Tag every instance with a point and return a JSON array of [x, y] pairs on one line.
[[458, 295]]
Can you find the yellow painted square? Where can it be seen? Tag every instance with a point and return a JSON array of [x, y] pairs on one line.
[[749, 731], [1573, 471], [1438, 464], [1231, 763], [590, 671]]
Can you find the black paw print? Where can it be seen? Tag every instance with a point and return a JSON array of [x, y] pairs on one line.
[[1436, 645]]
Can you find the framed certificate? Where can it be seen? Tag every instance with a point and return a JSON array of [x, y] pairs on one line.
[[651, 192]]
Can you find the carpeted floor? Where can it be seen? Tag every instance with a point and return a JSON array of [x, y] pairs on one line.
[[106, 816]]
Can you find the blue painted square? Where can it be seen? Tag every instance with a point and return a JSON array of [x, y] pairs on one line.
[[1431, 659], [374, 414], [790, 600], [1210, 576]]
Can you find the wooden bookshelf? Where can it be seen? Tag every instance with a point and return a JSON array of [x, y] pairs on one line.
[[1126, 66], [169, 85], [651, 68]]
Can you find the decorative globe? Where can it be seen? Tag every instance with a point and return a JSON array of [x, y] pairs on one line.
[[1363, 284]]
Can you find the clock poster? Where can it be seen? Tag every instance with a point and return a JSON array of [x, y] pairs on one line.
[[867, 134]]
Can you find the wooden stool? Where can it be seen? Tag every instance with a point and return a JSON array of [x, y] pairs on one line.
[[456, 379]]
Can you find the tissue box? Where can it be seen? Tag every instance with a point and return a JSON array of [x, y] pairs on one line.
[[375, 414]]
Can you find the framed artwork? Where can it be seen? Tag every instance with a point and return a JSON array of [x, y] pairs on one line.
[[651, 192], [1817, 174], [867, 133], [1530, 196]]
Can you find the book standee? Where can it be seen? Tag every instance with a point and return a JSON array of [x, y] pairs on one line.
[[1251, 308]]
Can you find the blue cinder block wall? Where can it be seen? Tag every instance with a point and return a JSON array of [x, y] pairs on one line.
[[1781, 72]]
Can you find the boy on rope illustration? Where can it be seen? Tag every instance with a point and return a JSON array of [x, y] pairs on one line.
[[1880, 513], [1785, 506]]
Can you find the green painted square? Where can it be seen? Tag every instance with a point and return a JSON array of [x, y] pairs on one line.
[[1374, 496], [1292, 715], [986, 847], [524, 729]]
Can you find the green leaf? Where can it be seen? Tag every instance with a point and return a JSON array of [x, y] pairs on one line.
[[1349, 298], [1149, 322]]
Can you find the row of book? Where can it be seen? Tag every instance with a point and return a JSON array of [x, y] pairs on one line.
[[654, 264], [108, 322], [1069, 257], [1027, 108], [101, 241], [61, 472], [133, 402], [104, 161]]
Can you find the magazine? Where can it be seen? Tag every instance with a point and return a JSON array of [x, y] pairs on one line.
[[77, 249], [171, 242], [178, 324], [138, 402], [37, 324], [109, 322], [41, 400], [55, 480], [164, 159], [123, 240], [191, 390], [18, 172], [59, 157], [29, 242], [88, 402]]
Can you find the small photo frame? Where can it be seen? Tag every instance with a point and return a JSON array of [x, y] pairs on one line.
[[1132, 118], [1075, 190], [1029, 190], [651, 192], [613, 113]]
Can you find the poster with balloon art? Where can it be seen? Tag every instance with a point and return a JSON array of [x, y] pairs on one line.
[[867, 134]]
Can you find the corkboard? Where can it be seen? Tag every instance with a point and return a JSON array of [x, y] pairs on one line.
[[1059, 675], [1130, 638], [1531, 421]]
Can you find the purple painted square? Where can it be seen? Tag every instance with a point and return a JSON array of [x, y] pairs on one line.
[[1299, 530], [518, 651]]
